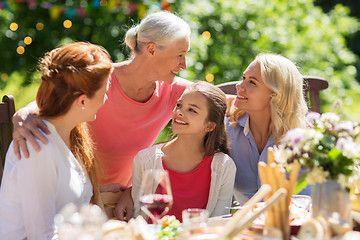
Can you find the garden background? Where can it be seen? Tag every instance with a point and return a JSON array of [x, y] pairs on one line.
[[321, 37]]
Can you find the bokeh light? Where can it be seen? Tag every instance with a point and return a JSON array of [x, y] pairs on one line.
[[14, 26], [39, 26], [4, 77], [103, 3], [27, 40], [67, 24], [209, 77], [20, 50], [206, 35]]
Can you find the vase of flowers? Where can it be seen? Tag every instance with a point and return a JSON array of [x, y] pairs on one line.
[[329, 153], [330, 197]]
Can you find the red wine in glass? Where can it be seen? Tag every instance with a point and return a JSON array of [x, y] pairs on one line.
[[155, 194], [157, 204]]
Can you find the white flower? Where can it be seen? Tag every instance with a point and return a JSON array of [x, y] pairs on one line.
[[351, 149], [312, 117], [317, 175], [343, 181], [313, 148], [330, 117]]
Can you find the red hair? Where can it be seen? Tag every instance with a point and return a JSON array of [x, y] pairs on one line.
[[68, 72]]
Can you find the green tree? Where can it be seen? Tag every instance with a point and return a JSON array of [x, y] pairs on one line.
[[226, 36], [298, 30], [51, 23]]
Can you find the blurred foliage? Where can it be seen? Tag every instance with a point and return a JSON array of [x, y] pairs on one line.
[[298, 30], [226, 36], [101, 22], [354, 39]]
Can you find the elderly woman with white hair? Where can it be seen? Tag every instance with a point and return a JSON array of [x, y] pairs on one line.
[[143, 91], [269, 102]]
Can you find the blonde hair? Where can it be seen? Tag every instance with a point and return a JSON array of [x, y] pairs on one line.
[[287, 104], [68, 72], [161, 28]]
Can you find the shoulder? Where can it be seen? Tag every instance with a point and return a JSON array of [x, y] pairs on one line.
[[152, 149], [179, 84], [181, 81], [223, 160], [150, 154]]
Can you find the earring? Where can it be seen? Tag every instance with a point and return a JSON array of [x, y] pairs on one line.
[[82, 108]]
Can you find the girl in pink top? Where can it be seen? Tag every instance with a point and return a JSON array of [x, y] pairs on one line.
[[201, 173], [143, 92]]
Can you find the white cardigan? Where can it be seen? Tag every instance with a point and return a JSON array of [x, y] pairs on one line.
[[223, 172]]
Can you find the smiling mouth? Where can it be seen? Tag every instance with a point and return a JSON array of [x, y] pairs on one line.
[[241, 97], [180, 122]]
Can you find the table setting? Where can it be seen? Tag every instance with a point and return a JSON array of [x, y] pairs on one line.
[[325, 156]]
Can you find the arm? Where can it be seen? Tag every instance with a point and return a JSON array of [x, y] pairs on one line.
[[36, 182], [227, 179], [126, 205], [27, 128]]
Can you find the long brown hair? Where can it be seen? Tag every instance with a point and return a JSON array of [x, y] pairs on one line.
[[68, 72], [216, 140]]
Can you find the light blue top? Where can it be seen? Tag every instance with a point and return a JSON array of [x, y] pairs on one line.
[[244, 152]]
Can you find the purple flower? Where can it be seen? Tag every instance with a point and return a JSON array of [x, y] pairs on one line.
[[344, 126], [295, 135], [340, 143]]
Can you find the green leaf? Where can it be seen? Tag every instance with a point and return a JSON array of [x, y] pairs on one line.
[[300, 184]]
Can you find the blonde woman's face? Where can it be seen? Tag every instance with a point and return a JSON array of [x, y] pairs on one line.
[[252, 94]]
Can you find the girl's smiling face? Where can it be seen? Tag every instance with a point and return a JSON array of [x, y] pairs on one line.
[[190, 114]]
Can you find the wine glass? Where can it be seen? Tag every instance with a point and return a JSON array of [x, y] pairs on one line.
[[155, 194]]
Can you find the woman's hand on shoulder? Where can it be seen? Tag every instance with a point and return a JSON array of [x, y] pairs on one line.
[[27, 128], [230, 99]]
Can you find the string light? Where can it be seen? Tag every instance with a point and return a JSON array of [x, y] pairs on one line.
[[27, 40], [206, 35], [209, 77], [14, 26], [39, 26], [67, 24], [4, 77], [20, 50]]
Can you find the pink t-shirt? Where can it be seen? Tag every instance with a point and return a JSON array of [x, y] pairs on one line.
[[190, 189], [123, 126]]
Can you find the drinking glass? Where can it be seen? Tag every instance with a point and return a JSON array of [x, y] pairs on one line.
[[155, 194]]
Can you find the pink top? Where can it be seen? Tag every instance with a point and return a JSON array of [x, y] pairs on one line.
[[123, 126], [190, 189]]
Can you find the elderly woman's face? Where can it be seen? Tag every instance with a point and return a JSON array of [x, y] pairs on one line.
[[252, 94], [170, 60]]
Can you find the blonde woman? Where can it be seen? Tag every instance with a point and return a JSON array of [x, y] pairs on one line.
[[269, 102], [73, 86]]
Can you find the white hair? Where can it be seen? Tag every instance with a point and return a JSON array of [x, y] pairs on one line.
[[161, 28]]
